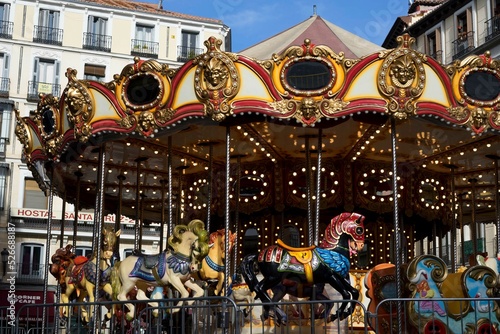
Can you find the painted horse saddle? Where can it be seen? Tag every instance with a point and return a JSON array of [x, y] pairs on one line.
[[299, 259]]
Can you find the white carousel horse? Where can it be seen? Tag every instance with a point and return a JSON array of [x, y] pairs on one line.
[[173, 267]]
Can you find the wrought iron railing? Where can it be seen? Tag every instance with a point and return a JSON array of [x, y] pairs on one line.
[[492, 28], [4, 87], [48, 35], [6, 29], [463, 44], [145, 49], [96, 42], [30, 273], [185, 53], [35, 88]]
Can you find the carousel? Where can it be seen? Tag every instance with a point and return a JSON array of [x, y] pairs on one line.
[[285, 159]]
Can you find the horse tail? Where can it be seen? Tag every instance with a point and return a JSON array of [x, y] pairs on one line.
[[116, 283], [248, 271]]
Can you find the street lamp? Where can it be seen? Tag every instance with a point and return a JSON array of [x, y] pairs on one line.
[[5, 256]]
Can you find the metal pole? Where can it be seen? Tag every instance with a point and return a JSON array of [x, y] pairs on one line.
[[318, 187], [309, 192], [461, 221], [50, 168], [118, 215], [397, 233], [237, 209], [162, 222], [170, 201], [473, 182], [210, 181], [98, 221], [225, 313], [77, 205], [453, 219], [497, 200], [63, 218], [137, 244]]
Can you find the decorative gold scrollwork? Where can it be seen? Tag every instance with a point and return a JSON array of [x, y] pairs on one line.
[[402, 78], [164, 115], [330, 107], [217, 80], [23, 135], [78, 106]]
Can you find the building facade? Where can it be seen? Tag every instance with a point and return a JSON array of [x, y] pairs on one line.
[[39, 40]]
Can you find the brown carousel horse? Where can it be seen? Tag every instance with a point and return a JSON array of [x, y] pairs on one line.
[[327, 263], [213, 265], [187, 248], [77, 274]]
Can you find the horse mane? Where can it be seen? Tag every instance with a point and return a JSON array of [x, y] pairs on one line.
[[198, 228], [343, 223]]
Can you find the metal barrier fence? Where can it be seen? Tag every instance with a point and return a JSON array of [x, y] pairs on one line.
[[204, 316], [221, 315]]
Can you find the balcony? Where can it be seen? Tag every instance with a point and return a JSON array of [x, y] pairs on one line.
[[145, 49], [47, 35], [30, 273], [96, 42], [492, 28], [463, 44], [6, 29], [35, 88], [4, 87], [185, 53]]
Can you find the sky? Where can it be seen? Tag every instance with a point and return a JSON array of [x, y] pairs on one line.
[[252, 21]]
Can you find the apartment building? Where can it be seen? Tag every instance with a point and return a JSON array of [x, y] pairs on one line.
[[450, 30], [39, 40]]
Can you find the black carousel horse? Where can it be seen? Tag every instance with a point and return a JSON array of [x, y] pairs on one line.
[[327, 263]]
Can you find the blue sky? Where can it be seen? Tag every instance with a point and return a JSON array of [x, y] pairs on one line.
[[252, 21]]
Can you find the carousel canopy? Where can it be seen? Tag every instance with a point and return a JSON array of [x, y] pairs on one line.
[[272, 123]]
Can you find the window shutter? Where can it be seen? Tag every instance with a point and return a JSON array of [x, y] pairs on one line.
[[5, 70], [35, 69]]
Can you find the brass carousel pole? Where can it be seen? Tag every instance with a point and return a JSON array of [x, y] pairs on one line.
[[237, 210], [98, 222], [453, 219], [497, 200], [162, 219], [143, 196], [181, 170], [118, 215], [309, 192], [138, 222], [225, 314], [77, 205], [50, 168], [473, 182], [210, 181], [461, 221], [170, 200], [397, 233], [318, 187]]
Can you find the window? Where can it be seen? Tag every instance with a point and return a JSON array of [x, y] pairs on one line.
[[433, 45], [127, 252], [94, 72], [496, 7], [95, 38], [4, 172], [47, 31], [4, 79], [45, 78], [188, 48], [83, 251], [5, 25], [34, 198], [464, 23], [5, 115], [144, 33], [31, 257]]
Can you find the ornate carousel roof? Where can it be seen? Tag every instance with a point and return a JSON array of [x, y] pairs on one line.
[[270, 121]]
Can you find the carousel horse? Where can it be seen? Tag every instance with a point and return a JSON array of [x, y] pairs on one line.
[[188, 246], [77, 274], [296, 291], [240, 292], [327, 263], [213, 265]]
